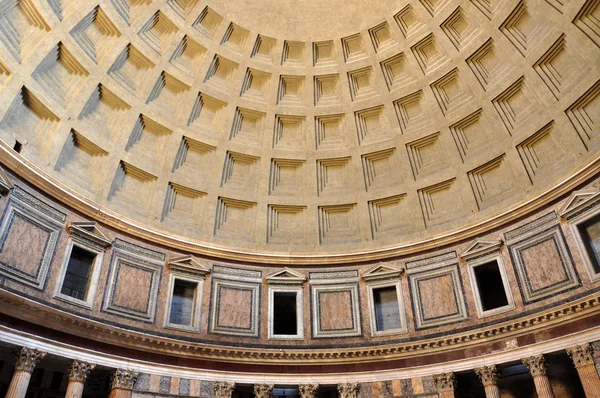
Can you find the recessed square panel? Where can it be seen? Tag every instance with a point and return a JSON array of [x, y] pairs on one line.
[[234, 308], [335, 311]]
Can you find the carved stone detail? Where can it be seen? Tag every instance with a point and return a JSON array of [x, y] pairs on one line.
[[348, 390], [223, 389], [27, 358], [263, 390], [488, 375], [581, 355], [79, 370], [308, 390], [445, 381], [124, 379], [536, 365]]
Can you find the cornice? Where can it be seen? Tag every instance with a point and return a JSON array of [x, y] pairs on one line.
[[28, 310], [68, 197]]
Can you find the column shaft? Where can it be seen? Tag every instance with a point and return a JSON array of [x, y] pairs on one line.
[[446, 394], [18, 384], [542, 386], [119, 393], [74, 389], [589, 380], [492, 391]]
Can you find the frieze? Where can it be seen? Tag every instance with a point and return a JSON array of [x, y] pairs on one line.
[[431, 260], [138, 250], [537, 223], [246, 273], [25, 198], [333, 275]]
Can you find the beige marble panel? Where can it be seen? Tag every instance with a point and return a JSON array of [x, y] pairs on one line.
[[24, 246], [336, 310], [235, 308]]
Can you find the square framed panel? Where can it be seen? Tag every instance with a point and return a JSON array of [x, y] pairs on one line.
[[235, 307], [132, 287], [335, 310], [437, 297], [543, 264], [29, 233]]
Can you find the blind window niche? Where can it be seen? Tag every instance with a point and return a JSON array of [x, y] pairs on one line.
[[285, 314], [182, 302], [77, 276], [385, 305], [492, 294], [590, 235]]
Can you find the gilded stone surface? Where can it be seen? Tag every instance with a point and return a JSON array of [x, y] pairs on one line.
[[263, 390], [348, 390], [445, 381], [488, 375], [308, 390], [223, 389], [581, 355], [536, 365], [28, 358]]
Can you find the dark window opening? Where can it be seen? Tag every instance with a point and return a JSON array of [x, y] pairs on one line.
[[387, 313], [77, 277], [56, 382], [490, 285], [285, 321], [182, 302], [18, 146], [590, 234], [286, 392]]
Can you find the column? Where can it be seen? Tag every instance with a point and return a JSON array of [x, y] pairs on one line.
[[489, 377], [537, 367], [78, 373], [583, 360], [223, 389], [25, 362], [445, 384], [263, 390], [308, 390], [122, 383], [348, 390]]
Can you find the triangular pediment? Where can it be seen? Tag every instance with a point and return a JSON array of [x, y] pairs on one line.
[[90, 230], [382, 270], [578, 201], [5, 184], [480, 247], [190, 265], [286, 276]]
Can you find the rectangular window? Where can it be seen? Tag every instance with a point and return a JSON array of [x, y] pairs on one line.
[[490, 286], [77, 277], [285, 319], [590, 235], [182, 302], [387, 312]]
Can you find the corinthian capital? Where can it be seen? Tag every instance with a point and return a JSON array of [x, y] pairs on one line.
[[223, 389], [124, 379], [445, 381], [308, 390], [263, 390], [536, 365], [27, 359], [581, 355], [348, 390], [79, 370], [488, 375]]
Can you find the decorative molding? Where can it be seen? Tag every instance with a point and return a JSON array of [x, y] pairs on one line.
[[91, 231], [348, 390], [536, 365], [236, 272], [263, 390], [5, 184], [286, 276], [123, 379], [189, 265], [578, 202], [445, 381], [488, 375], [79, 370], [479, 248], [441, 258], [382, 271], [308, 390], [223, 389], [333, 275], [581, 355], [28, 358]]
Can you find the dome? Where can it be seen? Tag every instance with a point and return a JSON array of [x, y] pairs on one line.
[[307, 187]]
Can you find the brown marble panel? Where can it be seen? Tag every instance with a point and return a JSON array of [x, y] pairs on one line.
[[543, 264], [336, 310], [235, 307], [132, 288], [24, 246], [437, 297]]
